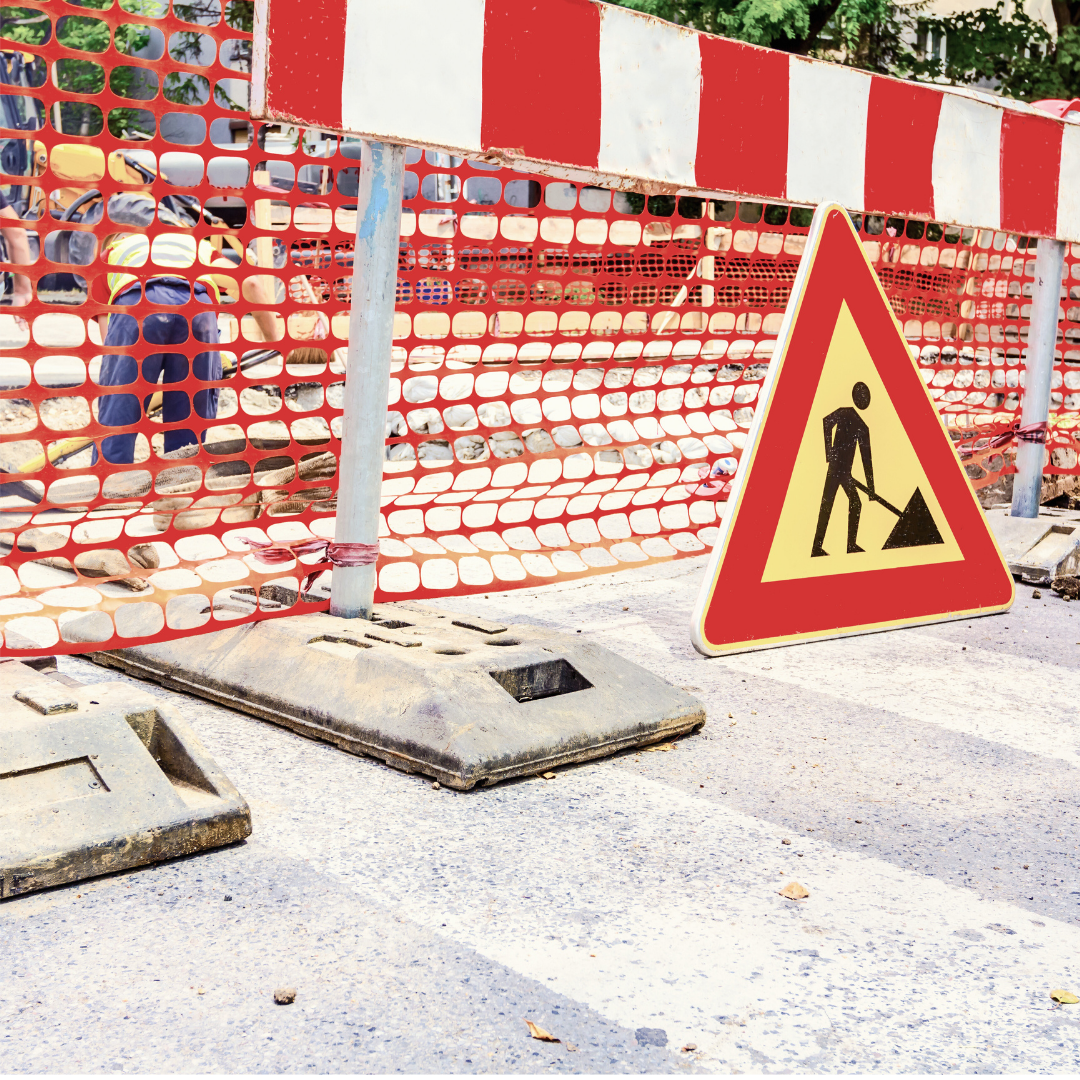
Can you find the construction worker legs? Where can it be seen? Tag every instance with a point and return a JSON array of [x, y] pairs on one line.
[[119, 410], [206, 365], [159, 328], [833, 483], [854, 513]]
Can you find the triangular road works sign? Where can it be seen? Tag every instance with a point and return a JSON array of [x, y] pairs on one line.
[[851, 511]]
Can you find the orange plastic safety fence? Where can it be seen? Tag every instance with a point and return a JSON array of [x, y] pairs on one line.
[[570, 363], [974, 364]]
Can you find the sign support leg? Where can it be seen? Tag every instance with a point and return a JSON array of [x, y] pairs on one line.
[[1045, 301], [367, 373]]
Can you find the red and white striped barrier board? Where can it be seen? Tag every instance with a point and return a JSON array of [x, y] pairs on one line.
[[584, 90]]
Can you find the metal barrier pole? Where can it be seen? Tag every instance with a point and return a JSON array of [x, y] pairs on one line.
[[1045, 304], [367, 374]]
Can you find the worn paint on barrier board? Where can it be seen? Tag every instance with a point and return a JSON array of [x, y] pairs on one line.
[[660, 108]]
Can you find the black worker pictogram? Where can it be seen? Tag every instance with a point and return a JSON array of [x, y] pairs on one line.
[[845, 432]]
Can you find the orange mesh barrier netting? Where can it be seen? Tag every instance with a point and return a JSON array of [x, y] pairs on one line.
[[575, 369]]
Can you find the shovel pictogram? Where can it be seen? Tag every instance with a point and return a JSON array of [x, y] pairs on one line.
[[915, 525]]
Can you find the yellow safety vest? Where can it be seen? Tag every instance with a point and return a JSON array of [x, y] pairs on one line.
[[170, 249]]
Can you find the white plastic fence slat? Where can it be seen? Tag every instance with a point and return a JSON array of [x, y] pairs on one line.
[[650, 78], [1068, 220], [411, 66], [827, 132], [967, 161]]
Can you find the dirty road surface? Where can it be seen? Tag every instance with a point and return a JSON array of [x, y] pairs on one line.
[[921, 785]]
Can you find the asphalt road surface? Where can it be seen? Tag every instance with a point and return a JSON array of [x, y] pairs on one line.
[[926, 780]]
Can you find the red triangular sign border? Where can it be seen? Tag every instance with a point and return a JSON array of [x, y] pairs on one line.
[[736, 611]]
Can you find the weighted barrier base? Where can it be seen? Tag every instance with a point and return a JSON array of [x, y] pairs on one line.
[[1040, 549], [450, 696], [101, 778]]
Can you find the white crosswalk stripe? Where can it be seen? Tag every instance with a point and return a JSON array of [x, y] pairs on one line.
[[965, 689]]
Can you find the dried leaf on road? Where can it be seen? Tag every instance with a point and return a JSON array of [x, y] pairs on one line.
[[1064, 997], [794, 891], [539, 1033]]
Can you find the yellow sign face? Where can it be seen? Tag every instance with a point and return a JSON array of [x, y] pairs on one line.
[[855, 443]]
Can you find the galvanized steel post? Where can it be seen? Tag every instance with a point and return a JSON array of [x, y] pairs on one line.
[[367, 373], [1039, 370]]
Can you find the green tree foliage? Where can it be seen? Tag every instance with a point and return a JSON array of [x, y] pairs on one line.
[[27, 26], [74, 75], [1016, 55], [240, 15], [862, 32], [87, 34]]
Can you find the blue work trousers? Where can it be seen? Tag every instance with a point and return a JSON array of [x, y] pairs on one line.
[[118, 369]]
